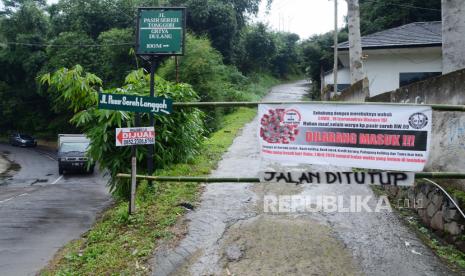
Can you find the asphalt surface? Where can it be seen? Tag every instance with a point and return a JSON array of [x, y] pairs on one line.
[[40, 210], [230, 234]]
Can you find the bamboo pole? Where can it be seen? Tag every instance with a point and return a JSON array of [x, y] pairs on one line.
[[434, 175], [437, 107]]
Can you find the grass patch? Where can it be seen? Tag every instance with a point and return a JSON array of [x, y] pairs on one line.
[[122, 245]]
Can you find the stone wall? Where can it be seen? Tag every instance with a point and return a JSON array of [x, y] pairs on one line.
[[435, 209]]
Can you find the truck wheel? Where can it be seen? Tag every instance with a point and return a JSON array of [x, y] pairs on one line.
[[91, 170], [60, 171]]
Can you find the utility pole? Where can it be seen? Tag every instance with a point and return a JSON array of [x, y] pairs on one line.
[[335, 52], [453, 38], [355, 42]]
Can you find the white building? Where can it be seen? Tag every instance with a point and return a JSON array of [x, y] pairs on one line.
[[395, 57]]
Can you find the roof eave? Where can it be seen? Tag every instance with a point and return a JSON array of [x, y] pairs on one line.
[[395, 46]]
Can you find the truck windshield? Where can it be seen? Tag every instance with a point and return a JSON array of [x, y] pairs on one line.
[[68, 147]]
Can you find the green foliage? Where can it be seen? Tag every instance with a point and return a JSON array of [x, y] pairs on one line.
[[117, 241], [318, 56], [380, 15], [115, 60], [68, 56], [91, 17], [260, 48], [288, 58], [178, 138], [27, 25], [202, 66], [220, 20], [99, 35], [11, 5], [458, 195], [374, 16]]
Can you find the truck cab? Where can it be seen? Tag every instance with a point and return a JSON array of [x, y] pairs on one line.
[[72, 154]]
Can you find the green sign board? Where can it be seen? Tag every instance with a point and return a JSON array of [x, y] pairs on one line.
[[161, 31], [135, 103]]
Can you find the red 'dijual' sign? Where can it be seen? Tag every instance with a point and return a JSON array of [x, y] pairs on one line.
[[135, 136]]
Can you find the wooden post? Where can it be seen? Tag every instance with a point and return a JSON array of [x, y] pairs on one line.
[[132, 200], [335, 67]]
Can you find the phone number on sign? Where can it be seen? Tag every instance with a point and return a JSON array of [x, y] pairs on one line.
[[144, 141]]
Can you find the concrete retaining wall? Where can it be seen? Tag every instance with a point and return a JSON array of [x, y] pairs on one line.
[[448, 140], [358, 92], [447, 152]]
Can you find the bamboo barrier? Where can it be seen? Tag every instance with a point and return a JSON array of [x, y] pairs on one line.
[[206, 179], [437, 107]]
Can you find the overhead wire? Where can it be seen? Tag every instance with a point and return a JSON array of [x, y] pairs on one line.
[[66, 45]]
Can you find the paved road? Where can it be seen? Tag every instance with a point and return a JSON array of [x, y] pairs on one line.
[[40, 210], [229, 233]]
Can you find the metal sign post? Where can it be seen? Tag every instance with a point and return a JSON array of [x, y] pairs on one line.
[[150, 148], [160, 32]]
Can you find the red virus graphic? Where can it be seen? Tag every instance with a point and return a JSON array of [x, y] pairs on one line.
[[273, 129]]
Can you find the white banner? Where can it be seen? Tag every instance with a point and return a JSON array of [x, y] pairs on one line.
[[135, 136], [385, 137]]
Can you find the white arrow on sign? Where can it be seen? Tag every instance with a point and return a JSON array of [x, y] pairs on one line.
[[135, 136]]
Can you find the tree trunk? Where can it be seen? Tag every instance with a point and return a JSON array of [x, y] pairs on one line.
[[355, 42], [453, 35]]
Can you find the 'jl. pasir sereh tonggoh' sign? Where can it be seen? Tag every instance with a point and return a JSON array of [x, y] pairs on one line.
[[382, 137]]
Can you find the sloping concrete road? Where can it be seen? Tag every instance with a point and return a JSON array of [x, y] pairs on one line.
[[40, 211], [230, 234]]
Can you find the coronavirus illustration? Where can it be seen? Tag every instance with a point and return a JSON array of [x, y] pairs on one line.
[[273, 128]]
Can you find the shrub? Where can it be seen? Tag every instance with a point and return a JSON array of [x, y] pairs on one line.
[[178, 136]]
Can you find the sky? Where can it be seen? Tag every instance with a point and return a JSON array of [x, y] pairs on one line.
[[303, 17]]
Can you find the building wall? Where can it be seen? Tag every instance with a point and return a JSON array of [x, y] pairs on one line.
[[448, 140], [343, 77], [384, 66]]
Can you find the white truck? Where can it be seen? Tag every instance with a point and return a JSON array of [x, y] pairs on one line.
[[72, 154]]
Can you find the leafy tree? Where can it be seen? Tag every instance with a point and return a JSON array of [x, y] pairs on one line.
[[116, 59], [288, 58], [23, 33], [178, 138], [91, 16], [71, 48], [381, 15], [11, 5], [260, 48], [203, 68], [318, 56]]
